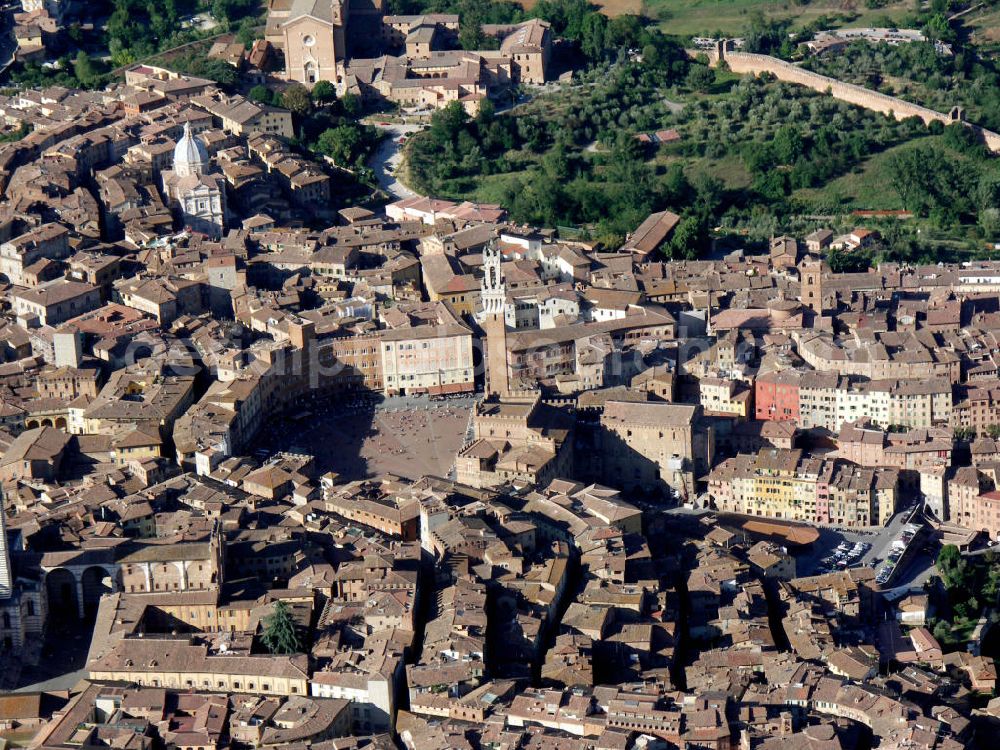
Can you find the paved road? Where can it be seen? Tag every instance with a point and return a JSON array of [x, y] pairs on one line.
[[387, 158], [915, 573], [672, 106]]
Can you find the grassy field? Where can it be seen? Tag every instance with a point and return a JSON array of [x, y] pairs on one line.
[[984, 26], [866, 188], [483, 189], [704, 17], [730, 169]]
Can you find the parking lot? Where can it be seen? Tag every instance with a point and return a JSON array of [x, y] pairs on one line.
[[845, 555], [875, 546]]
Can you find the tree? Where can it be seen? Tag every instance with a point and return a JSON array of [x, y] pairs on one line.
[[709, 191], [593, 31], [758, 157], [931, 182], [296, 99], [342, 143], [280, 636], [83, 69], [685, 240], [229, 11], [992, 585], [75, 33], [988, 190], [487, 111], [952, 567], [555, 163], [675, 186], [700, 77], [772, 186], [964, 434], [246, 34], [351, 104], [962, 139], [937, 29], [221, 72], [841, 262], [942, 631], [989, 222], [623, 31], [446, 123], [787, 144], [470, 35], [323, 92], [626, 151], [764, 34], [260, 94]]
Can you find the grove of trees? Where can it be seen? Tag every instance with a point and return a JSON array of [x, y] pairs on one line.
[[557, 177], [970, 585], [575, 161]]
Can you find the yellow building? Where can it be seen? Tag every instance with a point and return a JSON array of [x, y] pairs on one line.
[[444, 284], [720, 396], [781, 483]]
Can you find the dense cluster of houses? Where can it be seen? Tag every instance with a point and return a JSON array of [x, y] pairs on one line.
[[176, 276]]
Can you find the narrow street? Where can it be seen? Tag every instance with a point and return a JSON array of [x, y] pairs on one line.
[[389, 155]]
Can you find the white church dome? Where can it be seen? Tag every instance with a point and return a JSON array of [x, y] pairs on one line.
[[190, 154]]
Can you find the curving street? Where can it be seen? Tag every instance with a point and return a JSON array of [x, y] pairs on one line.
[[389, 155]]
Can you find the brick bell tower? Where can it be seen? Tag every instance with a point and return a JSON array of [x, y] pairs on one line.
[[811, 271], [493, 295]]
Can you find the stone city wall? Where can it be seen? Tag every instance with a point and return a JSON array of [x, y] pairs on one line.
[[746, 62]]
